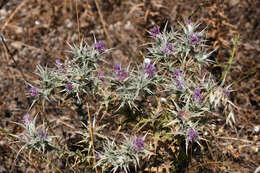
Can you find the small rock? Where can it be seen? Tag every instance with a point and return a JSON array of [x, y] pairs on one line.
[[256, 129], [163, 100], [129, 26], [37, 22], [206, 133], [68, 23]]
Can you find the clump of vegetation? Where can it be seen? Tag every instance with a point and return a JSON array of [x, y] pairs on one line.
[[166, 98]]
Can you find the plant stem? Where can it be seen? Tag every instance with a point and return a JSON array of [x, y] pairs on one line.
[[224, 74], [92, 138]]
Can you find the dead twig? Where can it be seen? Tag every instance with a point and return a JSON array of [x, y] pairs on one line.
[[208, 164], [12, 15], [12, 57], [103, 24], [77, 14], [92, 138], [236, 139]]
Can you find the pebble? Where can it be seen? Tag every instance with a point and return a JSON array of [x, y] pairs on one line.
[[163, 100], [206, 133], [37, 22], [68, 23], [129, 26]]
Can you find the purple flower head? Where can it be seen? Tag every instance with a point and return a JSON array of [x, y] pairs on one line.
[[226, 92], [100, 46], [96, 155], [188, 21], [121, 75], [192, 134], [178, 78], [101, 76], [117, 67], [179, 83], [197, 95], [138, 143], [177, 73], [149, 68], [33, 92], [27, 118], [194, 39], [69, 87], [42, 134], [155, 32], [168, 48], [59, 64]]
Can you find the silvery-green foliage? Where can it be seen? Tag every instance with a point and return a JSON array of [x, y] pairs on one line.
[[193, 88], [174, 68], [122, 156], [47, 79], [76, 77], [97, 134], [183, 47], [185, 120], [34, 137], [164, 46], [86, 54], [136, 84]]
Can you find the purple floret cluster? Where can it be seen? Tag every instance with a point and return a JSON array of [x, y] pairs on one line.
[[69, 86], [138, 143], [149, 68], [168, 49], [192, 134], [197, 95], [194, 39], [155, 32], [27, 118], [120, 73], [34, 92], [100, 46], [177, 75]]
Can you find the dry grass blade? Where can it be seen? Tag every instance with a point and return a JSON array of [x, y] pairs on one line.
[[208, 164], [12, 15], [12, 57], [103, 24], [92, 139], [224, 74], [77, 14]]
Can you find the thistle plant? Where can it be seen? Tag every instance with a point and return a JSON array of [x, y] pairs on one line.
[[134, 84], [193, 92], [76, 77], [173, 70], [33, 137], [122, 156], [164, 46]]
